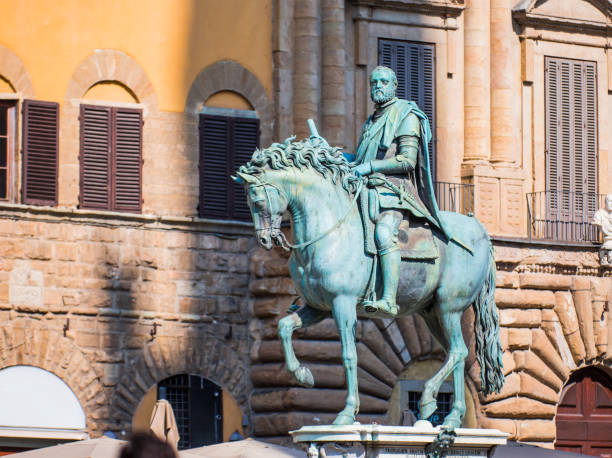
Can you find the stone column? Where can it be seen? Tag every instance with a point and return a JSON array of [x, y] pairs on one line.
[[505, 85], [333, 91], [282, 55], [477, 82], [307, 65]]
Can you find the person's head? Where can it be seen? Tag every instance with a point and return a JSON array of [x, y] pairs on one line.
[[146, 445], [609, 202], [383, 84]]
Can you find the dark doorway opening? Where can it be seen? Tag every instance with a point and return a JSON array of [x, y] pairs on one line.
[[198, 407]]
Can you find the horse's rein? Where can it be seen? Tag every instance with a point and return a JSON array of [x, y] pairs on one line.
[[329, 231]]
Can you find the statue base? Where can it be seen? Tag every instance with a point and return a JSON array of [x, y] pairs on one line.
[[378, 441]]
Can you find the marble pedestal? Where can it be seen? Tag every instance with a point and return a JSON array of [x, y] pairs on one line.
[[374, 441]]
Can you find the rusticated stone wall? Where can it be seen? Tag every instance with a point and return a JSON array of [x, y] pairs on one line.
[[553, 311], [80, 293]]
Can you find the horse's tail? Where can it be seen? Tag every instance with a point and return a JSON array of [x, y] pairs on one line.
[[488, 346]]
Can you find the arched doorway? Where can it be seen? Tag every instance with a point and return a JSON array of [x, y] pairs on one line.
[[205, 413], [584, 415]]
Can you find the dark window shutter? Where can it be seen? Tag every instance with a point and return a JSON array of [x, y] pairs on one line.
[[553, 129], [127, 159], [214, 166], [246, 140], [571, 138], [40, 152], [591, 159], [95, 157], [414, 66], [225, 144]]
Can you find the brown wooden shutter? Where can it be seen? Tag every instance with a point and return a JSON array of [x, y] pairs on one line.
[[571, 138], [591, 147], [246, 140], [95, 157], [214, 166], [40, 152], [414, 66], [225, 144], [127, 159]]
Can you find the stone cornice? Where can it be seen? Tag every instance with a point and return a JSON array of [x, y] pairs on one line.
[[563, 24], [451, 8], [549, 257], [116, 219]]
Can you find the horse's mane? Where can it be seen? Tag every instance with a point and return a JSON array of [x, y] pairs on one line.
[[312, 153]]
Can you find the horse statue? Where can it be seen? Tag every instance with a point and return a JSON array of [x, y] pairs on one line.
[[332, 272]]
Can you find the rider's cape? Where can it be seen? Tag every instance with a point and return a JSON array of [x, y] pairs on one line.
[[378, 136]]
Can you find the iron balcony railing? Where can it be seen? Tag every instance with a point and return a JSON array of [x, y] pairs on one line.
[[563, 216], [455, 197]]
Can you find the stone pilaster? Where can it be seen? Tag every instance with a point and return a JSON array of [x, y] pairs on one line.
[[307, 65], [505, 85], [333, 105], [282, 55], [477, 81]]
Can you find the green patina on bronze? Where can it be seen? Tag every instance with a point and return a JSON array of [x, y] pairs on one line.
[[336, 276]]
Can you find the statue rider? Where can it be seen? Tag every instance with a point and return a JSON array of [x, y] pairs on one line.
[[392, 151]]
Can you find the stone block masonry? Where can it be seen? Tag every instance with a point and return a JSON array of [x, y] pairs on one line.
[[79, 297]]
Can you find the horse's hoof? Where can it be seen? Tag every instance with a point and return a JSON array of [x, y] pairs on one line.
[[427, 409], [382, 306], [304, 377], [344, 419], [451, 422]]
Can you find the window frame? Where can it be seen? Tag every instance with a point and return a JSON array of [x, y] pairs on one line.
[[231, 117], [11, 145], [571, 150], [111, 158]]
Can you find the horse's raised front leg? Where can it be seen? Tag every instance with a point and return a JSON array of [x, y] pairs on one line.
[[448, 326], [345, 314], [304, 317]]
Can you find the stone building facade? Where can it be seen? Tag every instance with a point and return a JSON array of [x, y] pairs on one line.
[[114, 303]]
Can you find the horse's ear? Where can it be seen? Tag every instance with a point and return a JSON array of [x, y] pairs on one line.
[[243, 178]]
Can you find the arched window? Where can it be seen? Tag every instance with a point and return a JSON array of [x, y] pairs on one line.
[[584, 414], [110, 149], [37, 409]]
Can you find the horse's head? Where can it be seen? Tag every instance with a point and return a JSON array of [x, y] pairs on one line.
[[267, 203]]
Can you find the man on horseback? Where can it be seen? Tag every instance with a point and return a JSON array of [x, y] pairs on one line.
[[392, 152]]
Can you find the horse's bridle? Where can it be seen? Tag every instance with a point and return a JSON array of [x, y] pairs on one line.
[[277, 236]]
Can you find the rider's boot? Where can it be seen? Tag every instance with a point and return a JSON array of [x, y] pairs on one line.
[[390, 262]]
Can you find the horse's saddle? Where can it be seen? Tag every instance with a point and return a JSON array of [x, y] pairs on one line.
[[415, 235]]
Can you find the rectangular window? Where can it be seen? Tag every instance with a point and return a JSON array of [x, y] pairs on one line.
[[111, 158], [40, 152], [7, 147], [571, 142], [413, 64], [225, 144]]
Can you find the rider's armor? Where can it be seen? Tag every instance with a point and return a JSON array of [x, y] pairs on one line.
[[392, 143]]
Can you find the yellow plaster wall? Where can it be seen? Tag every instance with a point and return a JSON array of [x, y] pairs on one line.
[[232, 417], [228, 99], [172, 40], [110, 92], [5, 87]]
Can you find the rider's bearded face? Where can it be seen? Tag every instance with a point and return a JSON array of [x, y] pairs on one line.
[[382, 86]]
